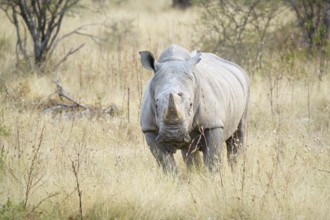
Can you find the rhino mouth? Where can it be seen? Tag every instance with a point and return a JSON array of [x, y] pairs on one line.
[[174, 135]]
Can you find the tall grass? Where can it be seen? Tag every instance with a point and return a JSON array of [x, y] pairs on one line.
[[283, 174]]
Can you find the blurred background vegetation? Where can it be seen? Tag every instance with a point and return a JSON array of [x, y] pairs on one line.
[[243, 31], [71, 85]]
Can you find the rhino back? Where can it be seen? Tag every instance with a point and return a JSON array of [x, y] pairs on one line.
[[174, 52], [224, 92]]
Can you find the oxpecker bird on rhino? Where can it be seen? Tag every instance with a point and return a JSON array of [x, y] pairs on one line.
[[194, 102]]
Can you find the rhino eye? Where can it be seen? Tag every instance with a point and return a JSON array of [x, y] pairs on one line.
[[190, 105], [180, 94]]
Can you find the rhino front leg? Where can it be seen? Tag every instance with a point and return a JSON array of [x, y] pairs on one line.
[[190, 154], [191, 158], [212, 147], [163, 157]]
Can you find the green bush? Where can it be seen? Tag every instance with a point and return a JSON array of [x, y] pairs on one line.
[[4, 46], [4, 130], [10, 211]]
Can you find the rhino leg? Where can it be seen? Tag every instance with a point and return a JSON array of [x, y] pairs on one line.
[[212, 147], [190, 153], [163, 157], [191, 158], [233, 144], [236, 141]]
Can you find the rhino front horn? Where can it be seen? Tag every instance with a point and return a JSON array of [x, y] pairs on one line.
[[172, 115]]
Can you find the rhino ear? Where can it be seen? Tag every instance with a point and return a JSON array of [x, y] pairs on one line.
[[148, 60], [195, 57]]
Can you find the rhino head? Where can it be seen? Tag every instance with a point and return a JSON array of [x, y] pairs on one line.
[[174, 92]]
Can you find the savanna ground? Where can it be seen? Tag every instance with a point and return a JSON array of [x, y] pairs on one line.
[[48, 157]]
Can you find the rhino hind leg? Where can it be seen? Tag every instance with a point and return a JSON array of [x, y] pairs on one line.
[[236, 142], [233, 144]]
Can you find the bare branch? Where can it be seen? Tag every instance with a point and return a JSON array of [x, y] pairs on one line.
[[19, 39], [42, 201], [61, 93], [6, 10], [93, 37], [15, 177], [30, 175], [43, 20], [236, 26], [75, 170], [71, 51], [75, 31], [326, 171]]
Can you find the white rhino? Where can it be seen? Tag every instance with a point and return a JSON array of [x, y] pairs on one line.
[[194, 102]]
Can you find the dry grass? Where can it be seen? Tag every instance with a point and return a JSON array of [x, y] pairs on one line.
[[283, 174]]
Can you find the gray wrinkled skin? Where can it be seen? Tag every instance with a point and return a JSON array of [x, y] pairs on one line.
[[194, 102]]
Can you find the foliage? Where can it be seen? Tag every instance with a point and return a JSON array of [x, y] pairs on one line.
[[42, 19], [4, 130], [10, 210], [3, 156], [314, 21], [312, 17], [4, 46], [119, 33], [245, 31], [238, 30]]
